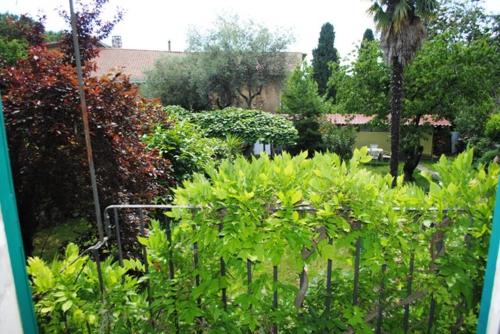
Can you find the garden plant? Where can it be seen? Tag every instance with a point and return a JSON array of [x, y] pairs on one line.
[[290, 245]]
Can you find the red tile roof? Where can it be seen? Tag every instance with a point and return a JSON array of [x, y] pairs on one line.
[[360, 119], [130, 61], [134, 62]]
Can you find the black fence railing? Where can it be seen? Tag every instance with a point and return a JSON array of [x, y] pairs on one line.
[[113, 236]]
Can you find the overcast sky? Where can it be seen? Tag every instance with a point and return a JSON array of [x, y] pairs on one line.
[[149, 24]]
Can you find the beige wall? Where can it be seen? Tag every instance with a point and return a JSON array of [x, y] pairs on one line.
[[383, 139]]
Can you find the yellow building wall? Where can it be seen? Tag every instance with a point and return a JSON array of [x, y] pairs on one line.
[[383, 140]]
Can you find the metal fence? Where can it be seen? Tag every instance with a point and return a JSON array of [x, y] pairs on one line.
[[113, 235]]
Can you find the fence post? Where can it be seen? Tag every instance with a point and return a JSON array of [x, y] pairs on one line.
[[118, 236], [171, 270], [357, 258], [436, 250], [222, 263], [275, 297], [409, 284], [146, 269], [380, 316], [328, 302]]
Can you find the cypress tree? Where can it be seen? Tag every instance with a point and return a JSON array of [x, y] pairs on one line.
[[368, 35], [323, 55]]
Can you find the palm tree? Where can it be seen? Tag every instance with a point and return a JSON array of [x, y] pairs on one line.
[[402, 33]]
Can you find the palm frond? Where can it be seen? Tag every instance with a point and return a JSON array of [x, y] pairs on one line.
[[400, 14], [381, 18], [425, 8]]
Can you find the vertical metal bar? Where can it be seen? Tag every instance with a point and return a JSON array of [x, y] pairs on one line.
[[118, 236], [171, 271], [85, 118], [107, 225], [432, 314], [146, 268], [381, 296], [249, 275], [409, 284], [196, 264], [302, 276], [95, 253], [275, 297], [357, 258], [328, 301], [223, 270]]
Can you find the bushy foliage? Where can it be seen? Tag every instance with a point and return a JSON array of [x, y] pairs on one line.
[[186, 146], [492, 128], [228, 64], [17, 33], [249, 125], [91, 26], [363, 86], [46, 141], [67, 294], [338, 139], [178, 80], [302, 102], [252, 213]]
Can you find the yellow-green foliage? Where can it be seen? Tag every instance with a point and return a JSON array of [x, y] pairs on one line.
[[257, 207]]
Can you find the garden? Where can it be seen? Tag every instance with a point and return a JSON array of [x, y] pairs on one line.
[[292, 244], [199, 233]]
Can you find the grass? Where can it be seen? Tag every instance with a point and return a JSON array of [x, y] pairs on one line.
[[382, 168]]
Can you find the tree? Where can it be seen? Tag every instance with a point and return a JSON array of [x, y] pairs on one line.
[[17, 34], [178, 80], [368, 35], [302, 102], [47, 146], [363, 85], [464, 20], [240, 58], [402, 33], [91, 28], [323, 56], [448, 78]]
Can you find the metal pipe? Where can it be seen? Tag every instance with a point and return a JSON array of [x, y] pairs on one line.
[[85, 117]]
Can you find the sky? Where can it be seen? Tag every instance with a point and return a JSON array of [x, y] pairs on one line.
[[149, 24]]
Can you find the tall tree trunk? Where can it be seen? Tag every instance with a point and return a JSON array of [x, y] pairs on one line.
[[396, 109]]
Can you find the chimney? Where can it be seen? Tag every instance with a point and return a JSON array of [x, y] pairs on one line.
[[116, 41], [169, 46]]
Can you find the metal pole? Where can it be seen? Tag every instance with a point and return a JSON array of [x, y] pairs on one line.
[[85, 117]]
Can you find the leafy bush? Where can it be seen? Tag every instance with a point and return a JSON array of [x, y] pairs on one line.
[[492, 128], [249, 125], [67, 295], [252, 212], [47, 145], [303, 103], [338, 139], [186, 145]]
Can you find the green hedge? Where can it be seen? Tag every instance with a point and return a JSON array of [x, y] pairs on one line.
[[249, 125]]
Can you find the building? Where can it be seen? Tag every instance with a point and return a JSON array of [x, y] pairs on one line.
[[435, 143], [135, 62]]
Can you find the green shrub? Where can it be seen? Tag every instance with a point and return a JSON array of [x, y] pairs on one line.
[[338, 139], [492, 128], [187, 146], [249, 125], [253, 212]]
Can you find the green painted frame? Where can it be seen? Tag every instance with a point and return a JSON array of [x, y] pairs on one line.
[[13, 233], [494, 248]]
